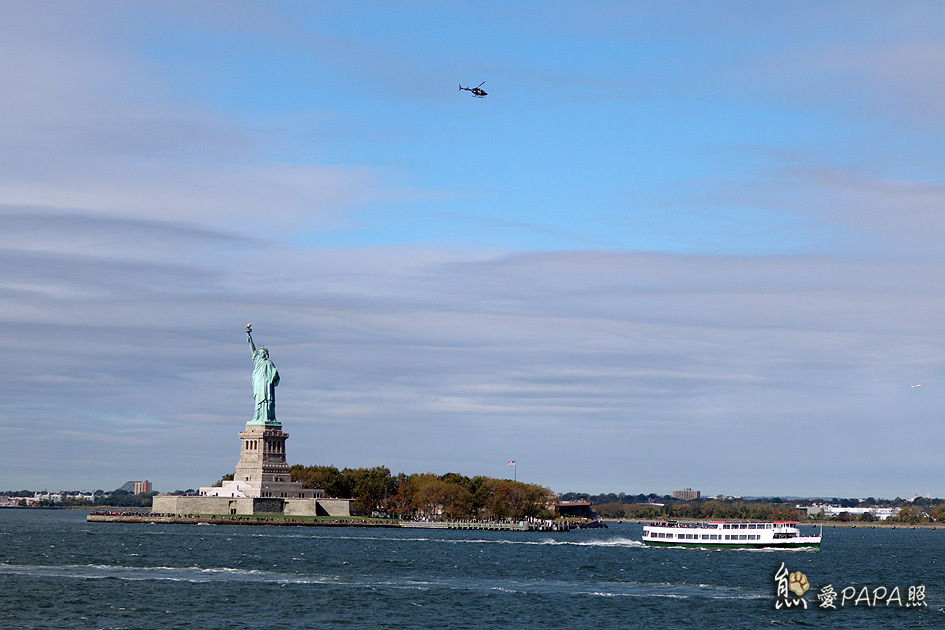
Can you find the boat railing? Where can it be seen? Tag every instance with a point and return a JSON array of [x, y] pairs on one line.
[[684, 525]]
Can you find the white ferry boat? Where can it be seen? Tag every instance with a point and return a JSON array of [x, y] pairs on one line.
[[727, 534]]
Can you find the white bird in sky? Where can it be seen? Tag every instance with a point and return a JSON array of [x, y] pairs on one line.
[[917, 385]]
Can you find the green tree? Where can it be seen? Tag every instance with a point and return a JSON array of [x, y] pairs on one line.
[[327, 478], [228, 477], [370, 487]]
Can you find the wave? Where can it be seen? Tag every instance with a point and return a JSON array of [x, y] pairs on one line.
[[676, 591], [609, 542], [613, 542], [446, 537], [196, 574], [158, 573]]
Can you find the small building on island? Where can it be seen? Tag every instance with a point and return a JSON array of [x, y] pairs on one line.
[[262, 482], [575, 509]]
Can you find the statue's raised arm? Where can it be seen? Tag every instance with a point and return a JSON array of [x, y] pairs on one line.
[[249, 337], [265, 379]]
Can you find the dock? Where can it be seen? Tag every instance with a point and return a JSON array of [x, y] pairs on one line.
[[528, 525], [502, 526], [200, 519]]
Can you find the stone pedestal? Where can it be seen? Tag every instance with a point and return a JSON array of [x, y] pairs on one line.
[[262, 466], [262, 456]]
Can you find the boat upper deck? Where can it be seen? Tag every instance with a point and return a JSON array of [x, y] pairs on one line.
[[716, 525]]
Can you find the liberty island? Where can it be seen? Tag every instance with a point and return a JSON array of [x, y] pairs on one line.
[[262, 491]]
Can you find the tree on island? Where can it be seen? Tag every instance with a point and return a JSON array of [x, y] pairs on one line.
[[451, 495]]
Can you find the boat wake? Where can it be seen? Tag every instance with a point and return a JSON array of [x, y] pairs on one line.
[[160, 573]]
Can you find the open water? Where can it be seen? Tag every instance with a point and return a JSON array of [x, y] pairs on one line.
[[59, 572]]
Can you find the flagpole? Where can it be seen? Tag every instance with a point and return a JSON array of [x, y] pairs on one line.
[[514, 466]]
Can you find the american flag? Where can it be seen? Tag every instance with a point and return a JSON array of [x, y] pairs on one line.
[[512, 463]]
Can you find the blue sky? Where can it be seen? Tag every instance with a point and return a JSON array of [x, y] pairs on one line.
[[679, 244]]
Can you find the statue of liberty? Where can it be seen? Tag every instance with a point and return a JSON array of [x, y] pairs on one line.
[[265, 379]]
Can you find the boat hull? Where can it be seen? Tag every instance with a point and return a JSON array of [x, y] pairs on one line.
[[717, 545]]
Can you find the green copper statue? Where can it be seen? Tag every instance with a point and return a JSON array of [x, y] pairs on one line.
[[265, 379]]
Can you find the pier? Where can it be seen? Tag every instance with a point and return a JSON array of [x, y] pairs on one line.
[[504, 526], [208, 519]]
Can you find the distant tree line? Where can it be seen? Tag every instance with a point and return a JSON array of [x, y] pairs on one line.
[[711, 509], [651, 506], [927, 512], [117, 498], [600, 499], [452, 496]]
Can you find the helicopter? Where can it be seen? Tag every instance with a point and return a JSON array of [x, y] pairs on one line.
[[477, 91]]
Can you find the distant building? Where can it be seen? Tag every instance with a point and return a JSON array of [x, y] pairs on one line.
[[686, 494], [142, 487], [827, 511]]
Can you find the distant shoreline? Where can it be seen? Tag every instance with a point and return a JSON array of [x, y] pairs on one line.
[[826, 524]]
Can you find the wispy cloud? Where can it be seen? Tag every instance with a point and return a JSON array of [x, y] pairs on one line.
[[744, 279]]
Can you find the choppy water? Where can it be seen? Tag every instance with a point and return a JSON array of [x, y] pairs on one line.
[[57, 571]]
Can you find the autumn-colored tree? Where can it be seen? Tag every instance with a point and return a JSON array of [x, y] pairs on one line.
[[452, 494]]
